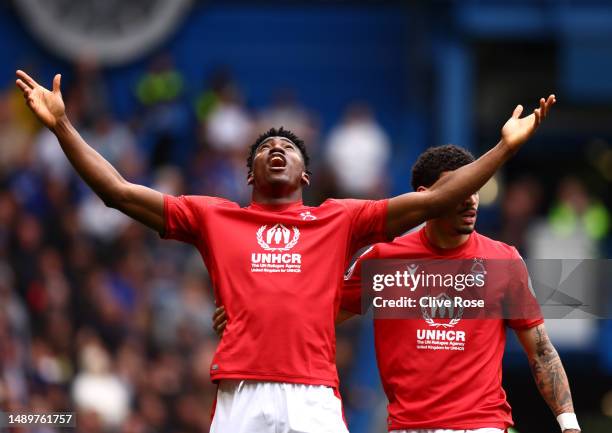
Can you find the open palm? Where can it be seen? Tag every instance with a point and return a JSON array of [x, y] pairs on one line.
[[517, 130], [47, 105]]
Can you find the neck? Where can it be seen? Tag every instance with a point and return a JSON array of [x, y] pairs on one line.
[[441, 237], [267, 198]]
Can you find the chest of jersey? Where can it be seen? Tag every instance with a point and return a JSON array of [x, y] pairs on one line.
[[268, 243]]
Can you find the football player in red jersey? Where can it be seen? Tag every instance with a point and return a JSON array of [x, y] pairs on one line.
[[466, 394], [276, 258]]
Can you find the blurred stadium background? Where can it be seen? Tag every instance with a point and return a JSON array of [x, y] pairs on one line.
[[99, 316]]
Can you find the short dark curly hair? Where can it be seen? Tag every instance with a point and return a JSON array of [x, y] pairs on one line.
[[280, 132], [435, 160]]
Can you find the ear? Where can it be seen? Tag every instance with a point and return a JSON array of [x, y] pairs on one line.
[[250, 178], [305, 178], [421, 189]]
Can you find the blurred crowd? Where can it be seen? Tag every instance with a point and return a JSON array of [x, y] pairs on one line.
[[99, 316]]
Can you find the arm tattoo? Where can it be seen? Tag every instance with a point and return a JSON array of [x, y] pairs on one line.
[[550, 376]]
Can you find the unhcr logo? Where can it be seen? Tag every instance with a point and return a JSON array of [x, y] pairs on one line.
[[439, 311], [277, 238]]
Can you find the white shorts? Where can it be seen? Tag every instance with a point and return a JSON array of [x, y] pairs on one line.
[[478, 430], [245, 406]]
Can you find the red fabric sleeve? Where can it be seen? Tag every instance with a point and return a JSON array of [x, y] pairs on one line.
[[351, 289], [525, 311], [184, 217], [368, 221]]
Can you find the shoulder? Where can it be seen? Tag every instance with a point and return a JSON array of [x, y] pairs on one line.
[[198, 206], [343, 203], [355, 206], [219, 201], [402, 246], [350, 202], [343, 208], [495, 248], [410, 240], [200, 201]]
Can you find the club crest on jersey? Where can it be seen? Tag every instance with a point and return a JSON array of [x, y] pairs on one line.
[[277, 238], [478, 267]]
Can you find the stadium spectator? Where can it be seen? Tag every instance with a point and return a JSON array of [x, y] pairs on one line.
[[358, 152]]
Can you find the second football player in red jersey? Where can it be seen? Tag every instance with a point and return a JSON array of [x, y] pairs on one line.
[[435, 386], [276, 264]]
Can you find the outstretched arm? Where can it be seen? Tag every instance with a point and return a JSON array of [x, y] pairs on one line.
[[409, 210], [547, 370], [139, 202]]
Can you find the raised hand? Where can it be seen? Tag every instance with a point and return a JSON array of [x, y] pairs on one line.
[[517, 130], [47, 105]]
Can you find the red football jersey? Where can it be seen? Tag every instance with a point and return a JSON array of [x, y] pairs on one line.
[[278, 271], [448, 376]]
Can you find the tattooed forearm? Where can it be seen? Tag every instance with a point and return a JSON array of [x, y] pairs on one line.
[[550, 376]]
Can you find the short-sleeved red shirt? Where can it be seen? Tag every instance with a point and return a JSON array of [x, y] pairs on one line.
[[278, 270], [454, 382]]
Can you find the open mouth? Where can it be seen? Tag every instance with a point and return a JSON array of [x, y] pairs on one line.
[[277, 161]]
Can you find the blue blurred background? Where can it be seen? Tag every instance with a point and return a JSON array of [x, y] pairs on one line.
[[99, 316]]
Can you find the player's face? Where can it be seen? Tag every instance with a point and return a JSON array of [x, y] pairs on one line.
[[278, 163], [461, 220], [464, 218]]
